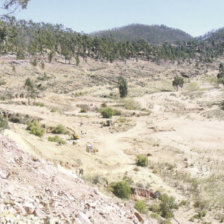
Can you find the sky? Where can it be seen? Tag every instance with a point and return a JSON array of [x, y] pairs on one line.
[[195, 17]]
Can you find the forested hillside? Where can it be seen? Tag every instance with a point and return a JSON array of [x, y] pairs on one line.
[[151, 34], [29, 38], [217, 35]]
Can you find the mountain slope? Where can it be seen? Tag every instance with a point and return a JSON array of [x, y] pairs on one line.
[[152, 34]]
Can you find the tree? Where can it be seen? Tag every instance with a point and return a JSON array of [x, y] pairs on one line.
[[29, 86], [50, 56], [123, 87], [77, 60], [178, 82], [3, 123], [12, 5], [221, 71]]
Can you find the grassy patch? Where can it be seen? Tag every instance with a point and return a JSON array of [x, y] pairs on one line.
[[56, 139], [130, 104], [53, 110]]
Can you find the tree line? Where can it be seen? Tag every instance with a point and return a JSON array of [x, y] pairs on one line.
[[26, 38]]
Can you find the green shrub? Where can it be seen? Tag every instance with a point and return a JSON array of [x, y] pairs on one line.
[[60, 129], [107, 112], [56, 139], [166, 206], [154, 208], [83, 110], [142, 160], [2, 82], [20, 54], [178, 82], [154, 216], [35, 128], [121, 189], [3, 123], [38, 104], [43, 77], [104, 104], [34, 62], [200, 214], [42, 65], [116, 112], [53, 110], [141, 207]]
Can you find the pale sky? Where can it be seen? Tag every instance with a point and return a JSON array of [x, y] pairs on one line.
[[195, 17]]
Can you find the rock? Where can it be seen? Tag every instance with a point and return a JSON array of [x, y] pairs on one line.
[[19, 208], [29, 208], [83, 218], [140, 219], [4, 174], [38, 212]]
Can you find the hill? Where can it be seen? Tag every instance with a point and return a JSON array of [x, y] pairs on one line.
[[216, 35], [154, 34]]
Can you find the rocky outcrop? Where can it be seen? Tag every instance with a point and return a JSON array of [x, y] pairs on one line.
[[35, 191], [142, 193]]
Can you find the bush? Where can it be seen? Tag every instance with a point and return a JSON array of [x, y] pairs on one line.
[[121, 189], [42, 65], [35, 128], [60, 129], [2, 82], [141, 207], [83, 109], [178, 82], [200, 214], [166, 206], [53, 110], [107, 112], [142, 160], [56, 139], [20, 54], [38, 104], [3, 123], [104, 104], [34, 62], [123, 87]]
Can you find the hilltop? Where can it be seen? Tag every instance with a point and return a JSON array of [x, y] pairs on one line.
[[153, 34]]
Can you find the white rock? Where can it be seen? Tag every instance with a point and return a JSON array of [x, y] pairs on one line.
[[4, 174]]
